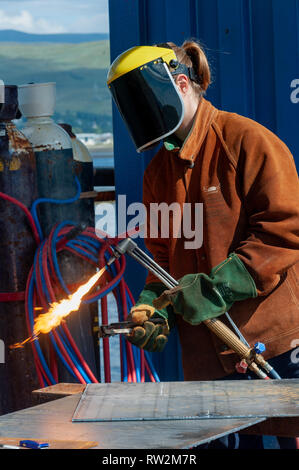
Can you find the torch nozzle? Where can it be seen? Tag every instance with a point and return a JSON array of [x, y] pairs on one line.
[[111, 260]]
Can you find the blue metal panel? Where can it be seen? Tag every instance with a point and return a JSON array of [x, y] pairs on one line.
[[253, 50], [262, 43], [234, 57], [286, 58]]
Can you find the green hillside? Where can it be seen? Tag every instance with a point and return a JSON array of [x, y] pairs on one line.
[[79, 71]]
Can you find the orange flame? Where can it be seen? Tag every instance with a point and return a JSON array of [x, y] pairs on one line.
[[45, 322]]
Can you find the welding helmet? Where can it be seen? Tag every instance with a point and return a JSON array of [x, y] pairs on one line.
[[145, 93]]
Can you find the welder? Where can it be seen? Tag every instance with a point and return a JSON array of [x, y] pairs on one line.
[[246, 178]]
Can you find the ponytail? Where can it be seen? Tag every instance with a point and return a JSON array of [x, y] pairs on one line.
[[199, 62], [192, 55]]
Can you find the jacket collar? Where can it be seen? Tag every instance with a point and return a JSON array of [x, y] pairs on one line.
[[205, 113]]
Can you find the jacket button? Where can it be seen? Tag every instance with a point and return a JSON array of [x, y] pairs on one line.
[[203, 257]]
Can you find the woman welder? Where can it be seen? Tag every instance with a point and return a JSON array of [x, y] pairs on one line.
[[246, 178]]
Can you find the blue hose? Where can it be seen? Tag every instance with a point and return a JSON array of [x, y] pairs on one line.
[[36, 342], [66, 346], [148, 358], [88, 248], [53, 201], [274, 374]]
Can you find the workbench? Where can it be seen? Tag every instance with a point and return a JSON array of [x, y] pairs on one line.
[[53, 420]]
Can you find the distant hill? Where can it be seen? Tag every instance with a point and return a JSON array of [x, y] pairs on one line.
[[79, 70], [10, 35]]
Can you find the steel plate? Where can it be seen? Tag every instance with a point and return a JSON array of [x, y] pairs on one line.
[[188, 400]]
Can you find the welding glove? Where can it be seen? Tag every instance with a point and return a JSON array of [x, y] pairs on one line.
[[147, 335], [199, 297]]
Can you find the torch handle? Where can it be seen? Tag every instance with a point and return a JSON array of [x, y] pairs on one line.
[[227, 336], [216, 326]]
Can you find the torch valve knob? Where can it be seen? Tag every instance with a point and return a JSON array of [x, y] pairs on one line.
[[241, 367], [259, 348]]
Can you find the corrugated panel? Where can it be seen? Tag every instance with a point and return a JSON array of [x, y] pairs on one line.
[[253, 49]]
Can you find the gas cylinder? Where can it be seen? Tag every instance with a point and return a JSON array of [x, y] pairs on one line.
[[17, 247], [53, 152], [84, 170], [56, 179], [83, 165]]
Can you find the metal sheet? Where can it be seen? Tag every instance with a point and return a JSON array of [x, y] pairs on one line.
[[188, 400], [53, 421]]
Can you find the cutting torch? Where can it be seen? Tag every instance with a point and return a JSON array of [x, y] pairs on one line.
[[123, 327], [250, 357]]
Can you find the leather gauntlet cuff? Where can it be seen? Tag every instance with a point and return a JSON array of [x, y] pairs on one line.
[[153, 291]]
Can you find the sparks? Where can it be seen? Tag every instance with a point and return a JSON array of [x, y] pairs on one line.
[[45, 322]]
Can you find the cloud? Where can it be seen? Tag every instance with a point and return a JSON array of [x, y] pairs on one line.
[[24, 21], [56, 16], [90, 24]]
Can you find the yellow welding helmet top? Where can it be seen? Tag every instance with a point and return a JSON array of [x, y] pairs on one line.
[[145, 94], [137, 57]]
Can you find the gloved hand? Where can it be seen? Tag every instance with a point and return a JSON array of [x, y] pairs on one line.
[[200, 297], [147, 335]]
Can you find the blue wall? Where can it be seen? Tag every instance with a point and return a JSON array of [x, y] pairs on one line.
[[253, 49]]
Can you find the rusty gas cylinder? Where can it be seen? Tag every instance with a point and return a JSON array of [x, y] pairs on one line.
[[17, 247]]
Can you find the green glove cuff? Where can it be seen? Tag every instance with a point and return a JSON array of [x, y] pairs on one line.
[[152, 291], [200, 297], [232, 280]]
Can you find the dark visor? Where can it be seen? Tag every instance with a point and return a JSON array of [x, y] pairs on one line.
[[149, 103]]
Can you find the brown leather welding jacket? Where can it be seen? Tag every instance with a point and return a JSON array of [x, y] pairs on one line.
[[246, 178]]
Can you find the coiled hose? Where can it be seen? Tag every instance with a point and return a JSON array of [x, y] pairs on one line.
[[45, 285]]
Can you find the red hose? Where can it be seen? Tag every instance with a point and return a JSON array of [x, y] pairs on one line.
[[129, 367], [52, 285], [142, 358], [53, 363], [12, 296], [6, 197], [129, 348], [77, 351], [104, 314], [106, 346], [67, 358], [142, 366], [39, 368], [45, 254]]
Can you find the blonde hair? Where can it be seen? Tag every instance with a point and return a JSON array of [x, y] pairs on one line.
[[191, 54]]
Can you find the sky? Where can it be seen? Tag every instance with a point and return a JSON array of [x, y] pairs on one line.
[[55, 16]]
